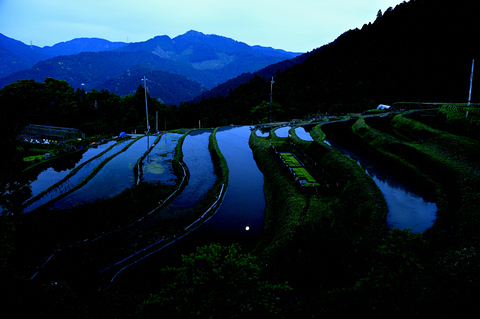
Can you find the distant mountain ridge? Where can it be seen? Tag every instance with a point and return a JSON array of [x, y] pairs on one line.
[[32, 54], [88, 62], [79, 45]]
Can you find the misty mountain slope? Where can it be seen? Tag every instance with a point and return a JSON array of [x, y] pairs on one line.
[[168, 87], [206, 59], [16, 56], [11, 63], [87, 70], [268, 72], [195, 46], [219, 56]]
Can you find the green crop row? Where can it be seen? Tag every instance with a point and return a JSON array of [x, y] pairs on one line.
[[298, 170], [290, 160], [302, 173]]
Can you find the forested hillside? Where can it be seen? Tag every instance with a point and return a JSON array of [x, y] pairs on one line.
[[420, 50]]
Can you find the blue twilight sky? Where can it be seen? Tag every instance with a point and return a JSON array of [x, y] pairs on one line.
[[292, 25]]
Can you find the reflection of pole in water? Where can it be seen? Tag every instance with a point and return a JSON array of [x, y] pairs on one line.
[[148, 146], [471, 79]]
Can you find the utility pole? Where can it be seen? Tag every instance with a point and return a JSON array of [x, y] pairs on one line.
[[146, 106], [271, 98], [471, 80]]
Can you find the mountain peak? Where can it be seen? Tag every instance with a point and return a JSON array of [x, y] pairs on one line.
[[194, 32], [79, 45]]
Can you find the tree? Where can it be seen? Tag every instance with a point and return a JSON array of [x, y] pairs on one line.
[[261, 112], [61, 103], [13, 116], [216, 282]]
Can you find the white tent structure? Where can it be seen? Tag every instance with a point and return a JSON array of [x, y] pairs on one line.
[[383, 107]]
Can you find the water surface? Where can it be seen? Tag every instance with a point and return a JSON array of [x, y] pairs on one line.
[[406, 208], [157, 164], [76, 178], [199, 163], [244, 202], [63, 167], [263, 132], [283, 131], [411, 203], [303, 134], [116, 176]]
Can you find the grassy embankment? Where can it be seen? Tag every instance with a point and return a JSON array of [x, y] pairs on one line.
[[308, 236], [460, 120], [448, 161]]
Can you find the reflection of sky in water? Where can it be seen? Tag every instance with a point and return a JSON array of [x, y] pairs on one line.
[[157, 165], [113, 178], [409, 206], [406, 209], [283, 131], [50, 176], [72, 181], [199, 162], [302, 134], [263, 132], [244, 202]]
